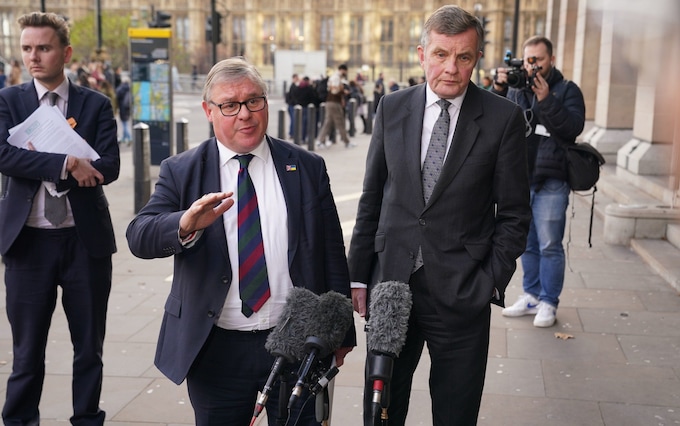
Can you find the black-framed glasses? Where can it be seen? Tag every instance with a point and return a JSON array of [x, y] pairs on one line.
[[232, 108]]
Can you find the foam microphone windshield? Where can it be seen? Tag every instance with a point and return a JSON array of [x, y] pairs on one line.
[[386, 329], [389, 309], [288, 337], [286, 341], [325, 335]]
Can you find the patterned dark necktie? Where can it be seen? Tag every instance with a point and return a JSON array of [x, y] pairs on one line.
[[436, 151], [55, 207], [252, 269], [434, 159]]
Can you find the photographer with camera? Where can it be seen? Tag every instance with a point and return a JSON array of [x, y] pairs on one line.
[[554, 112]]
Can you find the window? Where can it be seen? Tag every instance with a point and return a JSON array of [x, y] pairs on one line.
[[238, 38], [387, 41], [326, 37], [268, 39], [296, 38], [356, 38]]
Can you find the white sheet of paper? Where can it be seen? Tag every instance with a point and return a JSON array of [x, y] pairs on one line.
[[48, 131]]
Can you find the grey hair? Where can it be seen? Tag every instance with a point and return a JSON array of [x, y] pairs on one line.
[[229, 70], [451, 20]]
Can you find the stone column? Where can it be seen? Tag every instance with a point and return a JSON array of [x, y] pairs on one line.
[[587, 53], [616, 82], [649, 151]]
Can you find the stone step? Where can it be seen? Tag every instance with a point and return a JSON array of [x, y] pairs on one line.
[[673, 234], [662, 256]]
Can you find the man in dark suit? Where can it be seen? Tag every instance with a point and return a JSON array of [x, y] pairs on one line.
[[48, 241], [208, 336], [452, 230]]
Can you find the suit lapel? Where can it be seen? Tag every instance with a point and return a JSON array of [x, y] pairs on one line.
[[464, 137], [287, 164], [209, 181], [412, 131]]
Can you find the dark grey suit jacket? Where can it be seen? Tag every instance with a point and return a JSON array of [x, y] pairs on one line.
[[26, 169], [202, 273], [475, 224]]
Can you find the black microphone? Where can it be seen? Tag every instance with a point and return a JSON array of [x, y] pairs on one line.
[[389, 310], [287, 339], [325, 335]]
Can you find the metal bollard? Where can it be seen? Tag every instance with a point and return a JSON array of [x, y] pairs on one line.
[[181, 135], [311, 126], [369, 117], [297, 124], [282, 123], [141, 158], [351, 115]]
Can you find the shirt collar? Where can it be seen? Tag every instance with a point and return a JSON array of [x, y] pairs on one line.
[[262, 151], [431, 98], [61, 90]]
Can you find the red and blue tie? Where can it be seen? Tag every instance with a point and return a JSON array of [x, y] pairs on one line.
[[252, 268]]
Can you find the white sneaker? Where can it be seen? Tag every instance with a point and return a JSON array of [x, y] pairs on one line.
[[545, 317], [526, 305]]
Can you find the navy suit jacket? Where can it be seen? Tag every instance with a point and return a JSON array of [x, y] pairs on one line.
[[202, 273], [475, 224], [26, 169]]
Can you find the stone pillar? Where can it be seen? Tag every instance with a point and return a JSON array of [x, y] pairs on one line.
[[616, 82], [564, 44], [587, 53], [649, 152]]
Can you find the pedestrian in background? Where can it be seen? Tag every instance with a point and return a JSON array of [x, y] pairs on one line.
[[555, 113]]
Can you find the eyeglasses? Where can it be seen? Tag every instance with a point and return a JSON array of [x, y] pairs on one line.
[[231, 108]]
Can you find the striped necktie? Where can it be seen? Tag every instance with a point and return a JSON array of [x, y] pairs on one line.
[[252, 268], [55, 207]]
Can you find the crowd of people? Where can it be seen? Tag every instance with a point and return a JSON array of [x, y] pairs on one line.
[[335, 91]]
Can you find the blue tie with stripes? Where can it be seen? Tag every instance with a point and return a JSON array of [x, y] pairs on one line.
[[252, 269]]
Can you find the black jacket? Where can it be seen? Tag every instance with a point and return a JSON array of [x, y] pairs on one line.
[[562, 114]]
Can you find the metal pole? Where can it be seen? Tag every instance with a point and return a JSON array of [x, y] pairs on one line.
[[182, 135], [369, 117], [515, 29], [282, 123], [351, 115], [99, 24], [311, 126], [215, 35], [297, 124], [141, 158]]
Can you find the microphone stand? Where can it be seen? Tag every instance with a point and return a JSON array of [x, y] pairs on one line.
[[284, 390]]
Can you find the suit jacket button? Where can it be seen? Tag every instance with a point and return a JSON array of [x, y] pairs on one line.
[[225, 280], [421, 222], [211, 314]]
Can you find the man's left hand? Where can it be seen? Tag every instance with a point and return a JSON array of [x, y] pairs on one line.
[[540, 87], [340, 355]]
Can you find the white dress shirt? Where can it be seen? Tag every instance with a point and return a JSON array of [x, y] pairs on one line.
[[274, 223], [36, 218]]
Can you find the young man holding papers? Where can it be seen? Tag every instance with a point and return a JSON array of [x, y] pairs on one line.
[[55, 226]]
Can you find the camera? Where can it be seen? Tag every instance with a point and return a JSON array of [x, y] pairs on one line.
[[517, 75]]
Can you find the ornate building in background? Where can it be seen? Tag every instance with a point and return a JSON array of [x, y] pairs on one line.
[[369, 35]]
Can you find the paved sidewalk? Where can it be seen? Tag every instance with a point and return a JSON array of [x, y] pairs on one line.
[[621, 365]]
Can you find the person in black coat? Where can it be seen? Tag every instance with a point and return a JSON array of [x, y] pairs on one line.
[[124, 102]]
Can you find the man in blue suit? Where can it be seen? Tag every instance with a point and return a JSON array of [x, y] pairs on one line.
[[55, 227], [208, 336]]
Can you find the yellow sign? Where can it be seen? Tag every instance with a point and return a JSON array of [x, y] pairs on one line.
[[149, 32]]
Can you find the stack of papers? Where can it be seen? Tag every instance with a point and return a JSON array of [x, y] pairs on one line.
[[48, 131]]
